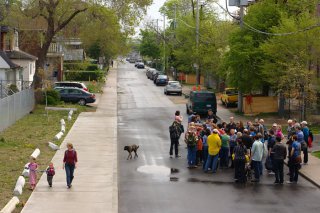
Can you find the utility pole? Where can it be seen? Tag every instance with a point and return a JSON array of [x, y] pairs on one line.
[[197, 45], [240, 95], [164, 43]]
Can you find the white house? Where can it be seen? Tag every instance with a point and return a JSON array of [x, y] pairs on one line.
[[16, 65], [23, 59]]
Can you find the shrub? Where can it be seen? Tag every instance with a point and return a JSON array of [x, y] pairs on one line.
[[53, 97], [92, 67], [84, 76], [13, 89]]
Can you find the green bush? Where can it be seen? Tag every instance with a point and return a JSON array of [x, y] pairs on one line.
[[53, 97], [92, 67], [84, 76]]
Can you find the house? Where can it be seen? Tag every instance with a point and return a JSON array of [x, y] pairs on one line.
[[10, 72], [20, 65]]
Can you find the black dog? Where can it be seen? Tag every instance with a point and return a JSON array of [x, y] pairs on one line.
[[132, 148]]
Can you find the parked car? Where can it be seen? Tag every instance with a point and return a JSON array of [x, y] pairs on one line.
[[229, 97], [140, 65], [75, 95], [201, 101], [162, 80], [155, 75], [149, 72], [173, 87], [132, 60], [71, 84]]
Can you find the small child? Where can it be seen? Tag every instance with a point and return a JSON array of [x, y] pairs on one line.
[[33, 166], [50, 173]]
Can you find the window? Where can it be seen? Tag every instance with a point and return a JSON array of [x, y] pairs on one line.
[[74, 91]]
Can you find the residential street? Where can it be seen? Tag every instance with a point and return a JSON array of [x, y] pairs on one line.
[[156, 183]]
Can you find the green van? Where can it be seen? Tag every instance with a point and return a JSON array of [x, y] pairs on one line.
[[201, 101]]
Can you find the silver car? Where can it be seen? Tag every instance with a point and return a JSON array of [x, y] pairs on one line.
[[173, 87]]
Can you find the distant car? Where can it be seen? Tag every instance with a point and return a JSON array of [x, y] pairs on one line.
[[71, 84], [140, 65], [155, 75], [132, 60], [75, 95], [173, 87], [229, 97], [162, 80], [149, 72], [201, 101]]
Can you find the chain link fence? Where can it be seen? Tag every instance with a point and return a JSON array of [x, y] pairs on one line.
[[15, 106]]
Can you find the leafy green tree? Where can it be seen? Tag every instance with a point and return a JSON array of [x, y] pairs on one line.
[[149, 45]]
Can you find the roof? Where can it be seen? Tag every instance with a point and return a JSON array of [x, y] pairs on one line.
[[18, 54], [7, 60]]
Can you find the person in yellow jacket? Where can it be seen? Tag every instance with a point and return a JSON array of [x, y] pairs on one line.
[[214, 146]]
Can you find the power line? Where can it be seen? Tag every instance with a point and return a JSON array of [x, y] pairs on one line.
[[249, 27]]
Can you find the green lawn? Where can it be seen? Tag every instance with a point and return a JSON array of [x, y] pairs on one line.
[[316, 154], [19, 141]]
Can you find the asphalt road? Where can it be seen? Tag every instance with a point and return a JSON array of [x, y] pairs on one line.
[[155, 183]]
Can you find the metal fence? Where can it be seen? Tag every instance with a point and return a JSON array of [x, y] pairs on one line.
[[8, 88], [15, 106]]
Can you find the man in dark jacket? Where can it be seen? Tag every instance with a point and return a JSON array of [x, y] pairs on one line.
[[279, 154], [175, 131]]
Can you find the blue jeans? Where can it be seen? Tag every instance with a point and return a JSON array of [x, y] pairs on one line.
[[212, 163], [69, 172], [204, 155], [256, 167], [192, 150], [224, 157]]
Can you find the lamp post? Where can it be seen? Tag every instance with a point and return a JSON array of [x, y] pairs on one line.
[[197, 45]]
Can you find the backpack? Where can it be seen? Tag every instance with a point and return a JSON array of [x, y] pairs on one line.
[[191, 139], [174, 131], [310, 139]]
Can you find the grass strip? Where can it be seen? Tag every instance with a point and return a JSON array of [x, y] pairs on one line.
[[18, 141]]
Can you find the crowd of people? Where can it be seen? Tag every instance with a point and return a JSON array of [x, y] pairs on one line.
[[242, 147]]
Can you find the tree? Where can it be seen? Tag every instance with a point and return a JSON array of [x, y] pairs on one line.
[[55, 15], [149, 45], [244, 59]]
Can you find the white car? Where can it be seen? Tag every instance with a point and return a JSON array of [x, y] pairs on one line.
[[173, 87]]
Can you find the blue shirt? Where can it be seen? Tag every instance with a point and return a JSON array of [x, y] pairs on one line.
[[305, 133], [233, 140], [204, 140], [300, 136], [296, 146]]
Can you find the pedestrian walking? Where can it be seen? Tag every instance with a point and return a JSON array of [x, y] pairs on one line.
[[50, 171], [214, 146], [256, 157], [175, 131], [70, 161], [33, 167], [294, 160], [240, 152], [279, 154]]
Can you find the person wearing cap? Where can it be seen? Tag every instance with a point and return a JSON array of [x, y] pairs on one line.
[[214, 146], [304, 146]]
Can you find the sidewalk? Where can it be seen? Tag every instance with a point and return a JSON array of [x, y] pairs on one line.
[[311, 172], [95, 186]]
